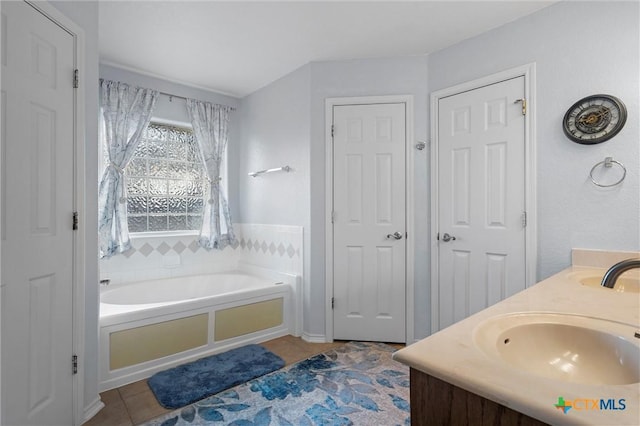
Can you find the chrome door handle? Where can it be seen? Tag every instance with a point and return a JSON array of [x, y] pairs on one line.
[[446, 238], [397, 235]]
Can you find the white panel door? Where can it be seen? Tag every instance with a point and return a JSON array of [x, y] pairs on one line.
[[369, 207], [481, 198], [37, 200]]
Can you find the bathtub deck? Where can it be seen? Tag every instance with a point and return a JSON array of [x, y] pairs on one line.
[[134, 404]]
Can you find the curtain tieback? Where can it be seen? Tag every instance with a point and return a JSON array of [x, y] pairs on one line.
[[212, 181], [116, 167], [121, 172]]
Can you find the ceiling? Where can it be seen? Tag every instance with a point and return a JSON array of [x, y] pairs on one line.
[[237, 47]]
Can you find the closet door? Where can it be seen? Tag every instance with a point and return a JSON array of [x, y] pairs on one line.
[[37, 218], [369, 226]]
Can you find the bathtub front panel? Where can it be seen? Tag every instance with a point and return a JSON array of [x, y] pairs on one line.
[[149, 342], [240, 320]]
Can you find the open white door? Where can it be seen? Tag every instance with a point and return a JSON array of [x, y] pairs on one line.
[[369, 222], [481, 198], [37, 199]]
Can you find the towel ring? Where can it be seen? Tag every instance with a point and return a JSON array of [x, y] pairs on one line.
[[608, 162]]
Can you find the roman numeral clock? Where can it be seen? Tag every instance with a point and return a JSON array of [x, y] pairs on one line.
[[594, 119]]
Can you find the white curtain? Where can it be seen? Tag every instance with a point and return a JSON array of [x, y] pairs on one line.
[[125, 112], [211, 128]]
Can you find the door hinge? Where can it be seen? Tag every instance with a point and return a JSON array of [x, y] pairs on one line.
[[332, 130], [76, 79], [333, 302], [333, 216], [75, 221], [74, 364], [524, 219], [524, 105]]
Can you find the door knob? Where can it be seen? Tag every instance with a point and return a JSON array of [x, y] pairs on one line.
[[397, 235], [446, 238]]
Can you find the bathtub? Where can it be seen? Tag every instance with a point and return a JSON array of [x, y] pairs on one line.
[[149, 326]]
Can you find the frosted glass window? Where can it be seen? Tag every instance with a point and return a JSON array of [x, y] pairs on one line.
[[165, 182]]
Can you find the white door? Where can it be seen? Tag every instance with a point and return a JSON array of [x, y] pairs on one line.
[[37, 199], [481, 198], [369, 222]]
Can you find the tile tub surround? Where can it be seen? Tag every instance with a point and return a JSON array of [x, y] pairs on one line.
[[276, 247], [451, 355]]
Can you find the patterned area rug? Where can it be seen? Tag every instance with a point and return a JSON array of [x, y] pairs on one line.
[[356, 384]]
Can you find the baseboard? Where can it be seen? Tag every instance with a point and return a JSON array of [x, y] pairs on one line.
[[92, 409], [314, 338]]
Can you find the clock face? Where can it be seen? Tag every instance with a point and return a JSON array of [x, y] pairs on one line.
[[594, 119]]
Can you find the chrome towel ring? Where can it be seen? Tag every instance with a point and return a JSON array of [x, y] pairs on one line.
[[608, 162]]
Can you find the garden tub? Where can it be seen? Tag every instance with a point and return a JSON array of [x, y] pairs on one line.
[[152, 325]]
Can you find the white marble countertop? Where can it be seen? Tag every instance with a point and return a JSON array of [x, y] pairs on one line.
[[452, 356]]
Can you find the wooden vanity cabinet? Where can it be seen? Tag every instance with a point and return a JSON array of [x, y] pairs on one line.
[[438, 403]]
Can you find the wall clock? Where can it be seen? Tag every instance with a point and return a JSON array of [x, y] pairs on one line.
[[594, 119]]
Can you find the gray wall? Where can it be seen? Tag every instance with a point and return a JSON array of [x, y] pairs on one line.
[[579, 49], [368, 77], [274, 133], [85, 14], [572, 212], [284, 123]]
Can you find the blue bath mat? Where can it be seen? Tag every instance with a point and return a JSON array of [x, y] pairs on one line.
[[188, 383]]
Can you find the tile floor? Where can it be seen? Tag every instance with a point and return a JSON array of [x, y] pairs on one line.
[[134, 404]]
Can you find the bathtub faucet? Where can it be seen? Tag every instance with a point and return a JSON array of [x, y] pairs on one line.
[[611, 276], [105, 282]]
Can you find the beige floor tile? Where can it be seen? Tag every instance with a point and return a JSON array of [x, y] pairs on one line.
[[289, 352], [143, 406], [293, 349], [113, 414], [134, 388], [110, 396]]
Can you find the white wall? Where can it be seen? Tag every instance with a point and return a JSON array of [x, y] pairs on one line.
[[85, 14], [580, 49]]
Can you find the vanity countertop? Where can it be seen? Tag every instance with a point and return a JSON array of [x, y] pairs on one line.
[[452, 356]]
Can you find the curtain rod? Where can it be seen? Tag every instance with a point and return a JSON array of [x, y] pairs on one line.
[[171, 96]]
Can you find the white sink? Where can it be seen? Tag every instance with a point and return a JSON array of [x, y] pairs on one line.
[[629, 282], [570, 348]]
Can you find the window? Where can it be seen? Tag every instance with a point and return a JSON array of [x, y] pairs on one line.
[[166, 182]]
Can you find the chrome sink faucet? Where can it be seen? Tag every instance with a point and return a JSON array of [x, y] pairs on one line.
[[611, 276]]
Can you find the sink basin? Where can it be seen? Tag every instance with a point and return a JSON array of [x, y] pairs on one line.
[[564, 347], [628, 282]]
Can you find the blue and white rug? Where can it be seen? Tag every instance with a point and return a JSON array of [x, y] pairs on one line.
[[355, 384]]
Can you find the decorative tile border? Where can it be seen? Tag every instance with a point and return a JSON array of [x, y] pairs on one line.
[[261, 246], [257, 245], [278, 247]]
